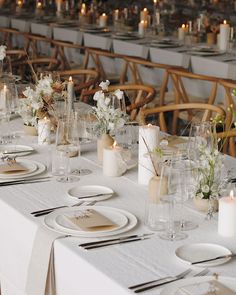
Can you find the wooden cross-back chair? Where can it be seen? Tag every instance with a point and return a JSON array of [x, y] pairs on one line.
[[84, 79], [228, 141], [180, 80], [33, 43], [7, 36], [134, 66], [230, 101], [17, 58], [137, 96], [59, 52], [97, 56], [161, 110], [38, 66]]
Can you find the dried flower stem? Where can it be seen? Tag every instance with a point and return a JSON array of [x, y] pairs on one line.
[[147, 147]]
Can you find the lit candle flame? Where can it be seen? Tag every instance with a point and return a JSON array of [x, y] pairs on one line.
[[145, 9], [155, 1], [39, 5], [149, 125], [104, 14], [70, 79], [5, 87], [231, 194], [114, 144], [225, 22], [183, 26]]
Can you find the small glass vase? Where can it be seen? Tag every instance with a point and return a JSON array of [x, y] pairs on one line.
[[104, 141]]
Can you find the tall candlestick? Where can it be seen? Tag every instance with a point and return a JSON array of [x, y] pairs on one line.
[[227, 216], [70, 93], [103, 20], [116, 15], [224, 36], [181, 33], [141, 28], [3, 97], [83, 9], [144, 15], [148, 140]]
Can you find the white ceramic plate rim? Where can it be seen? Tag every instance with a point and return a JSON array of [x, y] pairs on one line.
[[18, 148], [41, 169], [123, 220], [97, 190], [132, 221], [173, 288], [202, 247], [32, 167]]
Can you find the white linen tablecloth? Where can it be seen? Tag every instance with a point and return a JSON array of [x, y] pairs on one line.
[[103, 271]]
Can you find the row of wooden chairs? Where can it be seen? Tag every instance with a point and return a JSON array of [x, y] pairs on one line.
[[130, 72]]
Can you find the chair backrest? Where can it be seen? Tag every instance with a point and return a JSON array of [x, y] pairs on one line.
[[137, 96], [65, 51], [228, 141], [39, 65], [8, 35], [35, 43], [230, 102], [16, 58], [176, 108], [84, 79], [97, 57]]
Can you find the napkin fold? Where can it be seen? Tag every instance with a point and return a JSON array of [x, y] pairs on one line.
[[41, 275]]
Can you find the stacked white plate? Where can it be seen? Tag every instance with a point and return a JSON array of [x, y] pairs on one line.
[[20, 150], [33, 168], [59, 221]]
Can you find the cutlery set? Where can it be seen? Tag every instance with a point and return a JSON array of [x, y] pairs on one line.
[[25, 181], [160, 282], [115, 241], [49, 210]]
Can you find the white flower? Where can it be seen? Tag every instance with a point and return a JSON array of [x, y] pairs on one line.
[[29, 93], [119, 94], [104, 85], [98, 95], [44, 86], [205, 188], [3, 49]]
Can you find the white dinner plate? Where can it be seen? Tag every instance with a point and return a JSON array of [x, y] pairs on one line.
[[40, 169], [28, 164], [87, 190], [202, 251], [172, 289], [49, 221], [205, 53], [116, 217], [16, 148]]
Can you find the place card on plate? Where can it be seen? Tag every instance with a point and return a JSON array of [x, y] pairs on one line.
[[212, 287], [11, 167], [91, 220]]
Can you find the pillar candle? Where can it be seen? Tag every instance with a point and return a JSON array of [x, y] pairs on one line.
[[148, 140], [58, 2], [141, 28], [70, 94], [113, 163], [44, 130], [158, 17], [224, 36], [83, 9], [227, 216], [144, 15], [116, 14], [19, 5], [3, 97], [181, 33], [103, 20]]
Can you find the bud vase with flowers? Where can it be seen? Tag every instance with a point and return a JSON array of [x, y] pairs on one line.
[[109, 116]]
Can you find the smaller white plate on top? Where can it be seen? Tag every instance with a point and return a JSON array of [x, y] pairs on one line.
[[82, 191], [172, 289], [21, 150], [202, 251], [29, 165]]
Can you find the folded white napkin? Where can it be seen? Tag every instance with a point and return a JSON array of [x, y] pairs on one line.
[[40, 278]]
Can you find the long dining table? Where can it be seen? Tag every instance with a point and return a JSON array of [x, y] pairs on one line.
[[109, 270]]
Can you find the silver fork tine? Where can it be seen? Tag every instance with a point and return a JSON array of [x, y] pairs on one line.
[[202, 273], [159, 280]]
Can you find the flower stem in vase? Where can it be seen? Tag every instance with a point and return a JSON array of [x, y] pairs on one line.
[[210, 210]]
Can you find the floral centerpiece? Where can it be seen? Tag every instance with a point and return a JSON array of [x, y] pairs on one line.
[[108, 111], [38, 101], [109, 115]]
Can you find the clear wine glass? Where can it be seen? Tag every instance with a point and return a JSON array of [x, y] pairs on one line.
[[173, 229]]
